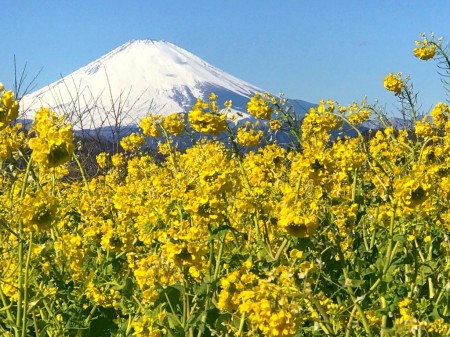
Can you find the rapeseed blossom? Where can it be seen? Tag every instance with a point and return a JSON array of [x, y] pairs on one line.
[[259, 107], [394, 82], [174, 123], [334, 235], [9, 108], [204, 117], [52, 145], [425, 50]]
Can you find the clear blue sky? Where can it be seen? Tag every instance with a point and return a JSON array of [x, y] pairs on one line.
[[308, 49]]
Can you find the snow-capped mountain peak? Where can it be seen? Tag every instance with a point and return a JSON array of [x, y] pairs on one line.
[[135, 79]]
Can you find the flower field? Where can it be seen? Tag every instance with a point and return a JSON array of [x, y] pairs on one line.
[[337, 236]]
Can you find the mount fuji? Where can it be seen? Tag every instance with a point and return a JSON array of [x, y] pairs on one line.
[[138, 78]]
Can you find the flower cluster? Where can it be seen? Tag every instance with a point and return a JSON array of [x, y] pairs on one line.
[[248, 136], [425, 49], [9, 107], [205, 117], [149, 126], [174, 123], [132, 142], [259, 107], [52, 145], [394, 82]]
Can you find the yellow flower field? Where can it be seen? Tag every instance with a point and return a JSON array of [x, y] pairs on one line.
[[236, 235]]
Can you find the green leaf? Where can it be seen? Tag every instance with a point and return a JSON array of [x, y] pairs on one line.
[[201, 289], [399, 238], [175, 328], [263, 253]]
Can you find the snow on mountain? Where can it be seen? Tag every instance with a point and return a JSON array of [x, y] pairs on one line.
[[137, 78]]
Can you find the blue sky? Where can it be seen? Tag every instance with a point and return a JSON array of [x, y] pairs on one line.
[[310, 50]]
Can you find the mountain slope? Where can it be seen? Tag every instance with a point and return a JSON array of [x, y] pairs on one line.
[[137, 78]]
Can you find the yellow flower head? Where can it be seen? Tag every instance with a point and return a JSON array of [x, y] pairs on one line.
[[259, 107], [149, 126], [393, 82], [174, 123], [12, 138], [38, 211], [274, 124], [118, 160], [133, 141], [53, 144], [440, 114], [425, 49], [248, 137], [204, 117], [9, 108], [102, 159]]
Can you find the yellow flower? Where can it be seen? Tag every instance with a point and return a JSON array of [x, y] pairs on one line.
[[393, 83], [38, 211], [258, 107], [425, 49], [296, 254], [359, 116], [149, 126], [133, 141], [12, 139], [423, 129], [174, 123], [118, 160], [212, 96], [440, 114], [425, 52], [439, 326], [9, 108], [102, 159], [275, 124], [206, 120], [53, 144], [250, 137]]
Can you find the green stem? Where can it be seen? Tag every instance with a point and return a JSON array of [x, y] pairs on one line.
[[80, 167], [185, 317], [218, 260], [349, 324], [241, 324], [50, 313], [354, 185], [358, 307], [390, 244], [20, 252], [35, 324], [129, 325], [171, 150], [215, 276], [327, 327], [280, 250], [26, 294], [349, 289], [411, 104], [91, 314], [384, 319], [238, 158], [173, 310], [7, 307], [389, 255], [442, 52]]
